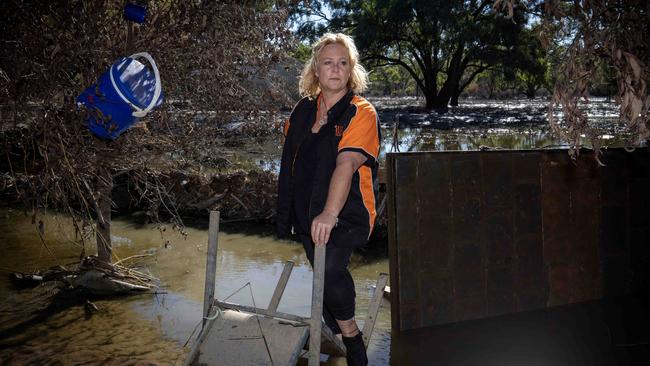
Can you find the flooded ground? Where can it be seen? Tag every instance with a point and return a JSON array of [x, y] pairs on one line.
[[486, 124], [154, 328], [474, 125]]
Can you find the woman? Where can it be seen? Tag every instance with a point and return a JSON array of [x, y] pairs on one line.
[[328, 175]]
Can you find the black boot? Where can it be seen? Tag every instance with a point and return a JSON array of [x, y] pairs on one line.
[[356, 351]]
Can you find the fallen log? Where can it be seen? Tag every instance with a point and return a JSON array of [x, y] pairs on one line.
[[99, 283]]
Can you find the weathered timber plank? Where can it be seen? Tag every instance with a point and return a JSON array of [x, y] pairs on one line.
[[395, 306], [373, 309], [520, 230], [406, 171], [279, 289], [265, 312], [434, 234], [315, 321], [497, 180], [330, 344], [211, 263], [238, 338]]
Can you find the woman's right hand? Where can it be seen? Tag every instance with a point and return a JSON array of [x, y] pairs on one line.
[[321, 228]]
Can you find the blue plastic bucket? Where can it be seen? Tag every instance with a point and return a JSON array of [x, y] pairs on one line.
[[124, 93]]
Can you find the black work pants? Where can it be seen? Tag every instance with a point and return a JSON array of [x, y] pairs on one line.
[[339, 294]]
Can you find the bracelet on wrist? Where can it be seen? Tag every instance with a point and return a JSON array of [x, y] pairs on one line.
[[336, 219]]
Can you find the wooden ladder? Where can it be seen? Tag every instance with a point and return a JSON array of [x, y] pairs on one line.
[[228, 336]]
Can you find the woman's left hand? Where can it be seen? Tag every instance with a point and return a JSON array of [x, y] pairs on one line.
[[347, 162], [321, 228]]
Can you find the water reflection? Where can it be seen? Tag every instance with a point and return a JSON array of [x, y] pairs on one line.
[[474, 125], [479, 124], [155, 327], [409, 111], [419, 139]]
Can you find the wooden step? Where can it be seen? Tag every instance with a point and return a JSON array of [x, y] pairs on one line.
[[242, 338]]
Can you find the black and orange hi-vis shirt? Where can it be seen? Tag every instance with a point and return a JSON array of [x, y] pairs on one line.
[[352, 125]]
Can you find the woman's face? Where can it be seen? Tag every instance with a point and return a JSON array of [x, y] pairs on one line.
[[333, 71]]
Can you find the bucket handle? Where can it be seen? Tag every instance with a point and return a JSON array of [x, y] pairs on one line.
[[139, 112]]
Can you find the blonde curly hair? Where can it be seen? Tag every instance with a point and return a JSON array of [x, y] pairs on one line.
[[358, 82]]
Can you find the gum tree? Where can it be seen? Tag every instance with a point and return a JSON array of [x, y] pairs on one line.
[[443, 45]]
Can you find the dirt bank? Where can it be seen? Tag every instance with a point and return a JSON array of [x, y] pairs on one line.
[[240, 195]]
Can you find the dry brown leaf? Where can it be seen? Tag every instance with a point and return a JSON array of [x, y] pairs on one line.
[[641, 90], [634, 63], [635, 109], [56, 50], [625, 100]]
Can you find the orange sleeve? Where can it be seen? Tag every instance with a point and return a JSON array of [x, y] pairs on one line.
[[362, 134], [285, 128], [287, 122]]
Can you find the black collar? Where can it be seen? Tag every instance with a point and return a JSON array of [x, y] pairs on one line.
[[342, 105]]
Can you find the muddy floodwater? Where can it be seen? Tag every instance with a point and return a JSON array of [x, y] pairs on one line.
[[154, 328]]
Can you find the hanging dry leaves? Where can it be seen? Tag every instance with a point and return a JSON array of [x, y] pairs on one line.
[[214, 58], [595, 31], [612, 32]]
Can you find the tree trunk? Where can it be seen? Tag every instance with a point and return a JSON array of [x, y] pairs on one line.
[[454, 100], [438, 102], [104, 189], [447, 92], [450, 87], [491, 85], [531, 90], [433, 98]]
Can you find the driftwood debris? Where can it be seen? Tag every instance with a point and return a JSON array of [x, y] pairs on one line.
[[43, 294], [93, 277], [99, 283], [101, 278]]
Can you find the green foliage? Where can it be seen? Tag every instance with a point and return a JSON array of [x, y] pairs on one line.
[[391, 80], [301, 52], [530, 63], [309, 19], [603, 83]]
